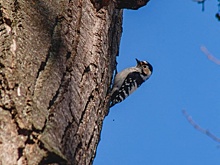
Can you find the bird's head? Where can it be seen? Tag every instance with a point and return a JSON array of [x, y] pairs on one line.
[[145, 66]]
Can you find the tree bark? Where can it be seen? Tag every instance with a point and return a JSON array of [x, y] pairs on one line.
[[56, 63]]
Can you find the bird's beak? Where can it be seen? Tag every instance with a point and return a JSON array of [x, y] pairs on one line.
[[138, 62]]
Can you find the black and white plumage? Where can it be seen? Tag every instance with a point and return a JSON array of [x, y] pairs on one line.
[[128, 80]]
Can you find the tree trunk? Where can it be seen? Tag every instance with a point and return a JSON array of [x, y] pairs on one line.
[[56, 62]]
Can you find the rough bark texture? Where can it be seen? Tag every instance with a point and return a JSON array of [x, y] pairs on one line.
[[56, 64]]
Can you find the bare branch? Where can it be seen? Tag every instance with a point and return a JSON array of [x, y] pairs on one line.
[[201, 2], [200, 129], [209, 55]]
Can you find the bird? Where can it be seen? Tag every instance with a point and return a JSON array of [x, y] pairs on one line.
[[128, 80]]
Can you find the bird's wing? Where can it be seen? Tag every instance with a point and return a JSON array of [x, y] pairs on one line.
[[129, 85]]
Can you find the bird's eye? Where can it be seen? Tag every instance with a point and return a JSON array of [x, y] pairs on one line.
[[145, 66]]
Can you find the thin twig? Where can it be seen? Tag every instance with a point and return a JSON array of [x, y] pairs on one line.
[[201, 2], [209, 55], [200, 129]]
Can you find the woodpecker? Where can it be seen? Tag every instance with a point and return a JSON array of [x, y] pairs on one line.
[[128, 80]]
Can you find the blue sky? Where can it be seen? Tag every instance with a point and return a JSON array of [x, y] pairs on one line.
[[148, 128]]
